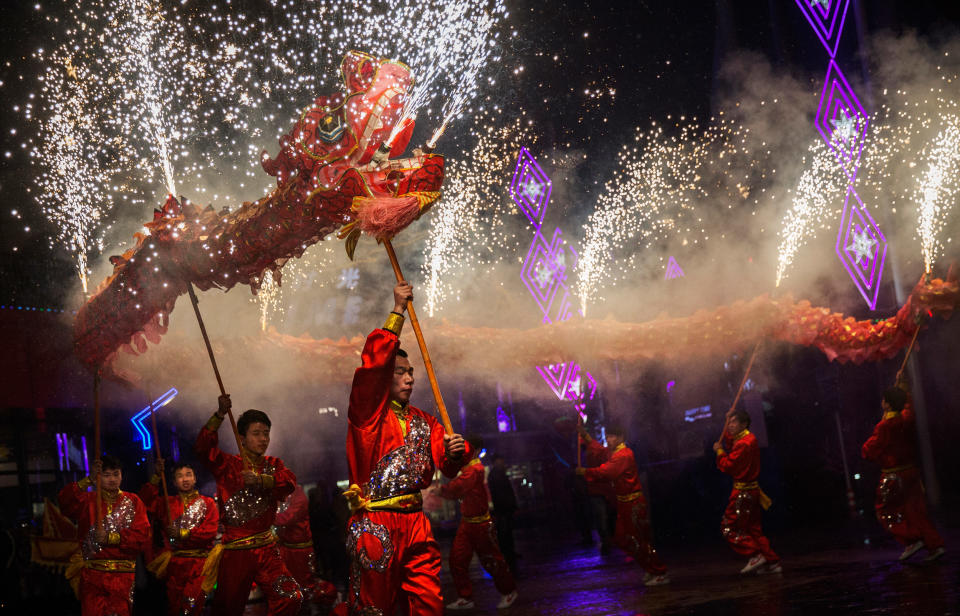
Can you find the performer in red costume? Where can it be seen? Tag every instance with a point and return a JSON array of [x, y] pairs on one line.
[[102, 574], [189, 534], [475, 534], [296, 547], [393, 450], [741, 525], [601, 493], [632, 532], [249, 497], [901, 505]]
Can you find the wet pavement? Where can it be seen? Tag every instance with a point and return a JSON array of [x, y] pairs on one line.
[[558, 578]]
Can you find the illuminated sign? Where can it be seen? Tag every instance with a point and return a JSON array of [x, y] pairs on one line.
[[826, 17], [137, 420], [841, 120], [530, 188], [673, 270], [862, 248], [701, 412]]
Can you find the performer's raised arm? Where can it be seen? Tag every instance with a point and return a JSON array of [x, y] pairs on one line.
[[207, 446], [371, 381]]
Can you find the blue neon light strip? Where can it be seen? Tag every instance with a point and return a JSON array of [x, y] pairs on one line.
[[137, 420]]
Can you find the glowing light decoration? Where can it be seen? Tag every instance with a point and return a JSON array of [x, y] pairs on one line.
[[826, 17], [137, 420], [545, 275], [567, 382], [841, 120], [531, 188], [862, 248], [673, 270]]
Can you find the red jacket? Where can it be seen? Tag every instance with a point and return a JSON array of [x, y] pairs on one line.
[[471, 488], [196, 517], [125, 519], [597, 454], [621, 469], [244, 511], [894, 440], [742, 462], [293, 519], [386, 459]]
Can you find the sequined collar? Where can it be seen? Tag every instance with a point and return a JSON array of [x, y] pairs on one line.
[[619, 447], [742, 434], [890, 414], [472, 462]]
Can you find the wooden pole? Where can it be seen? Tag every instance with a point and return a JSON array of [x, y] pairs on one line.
[[156, 449], [906, 357], [579, 421], [96, 440], [444, 417], [743, 383], [216, 371]]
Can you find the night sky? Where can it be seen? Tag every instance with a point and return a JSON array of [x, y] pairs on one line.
[[661, 58]]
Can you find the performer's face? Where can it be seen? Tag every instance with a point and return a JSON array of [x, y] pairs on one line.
[[110, 479], [402, 385], [614, 441], [184, 479], [257, 438], [734, 426]]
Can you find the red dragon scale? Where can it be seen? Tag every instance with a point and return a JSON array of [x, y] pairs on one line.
[[328, 179]]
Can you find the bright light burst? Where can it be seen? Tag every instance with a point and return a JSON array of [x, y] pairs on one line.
[[818, 194], [938, 188], [471, 226], [138, 98], [663, 183]]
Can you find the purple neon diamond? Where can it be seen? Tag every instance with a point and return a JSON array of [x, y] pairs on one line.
[[826, 17], [862, 248], [545, 273], [530, 188], [841, 120]]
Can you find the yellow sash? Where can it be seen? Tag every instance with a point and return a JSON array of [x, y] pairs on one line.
[[626, 498], [743, 486], [477, 519], [404, 502], [78, 564]]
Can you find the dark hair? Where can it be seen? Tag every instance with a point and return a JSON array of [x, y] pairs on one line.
[[616, 430], [496, 457], [475, 442], [181, 465], [251, 416], [401, 352], [742, 416], [110, 463], [896, 398]]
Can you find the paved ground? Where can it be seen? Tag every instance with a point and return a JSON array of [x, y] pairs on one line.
[[562, 579]]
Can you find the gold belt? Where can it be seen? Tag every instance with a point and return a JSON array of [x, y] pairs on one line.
[[297, 546], [191, 553], [897, 469], [253, 541], [112, 565], [745, 485], [404, 502], [477, 519], [626, 498]]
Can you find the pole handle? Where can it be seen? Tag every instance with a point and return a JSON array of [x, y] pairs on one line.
[[96, 441], [427, 362], [156, 450], [216, 371], [743, 383]]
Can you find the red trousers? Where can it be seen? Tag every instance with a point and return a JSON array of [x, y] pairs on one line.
[[902, 508], [478, 537], [104, 593], [184, 596], [301, 562], [394, 559], [741, 525], [632, 535], [239, 569]]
